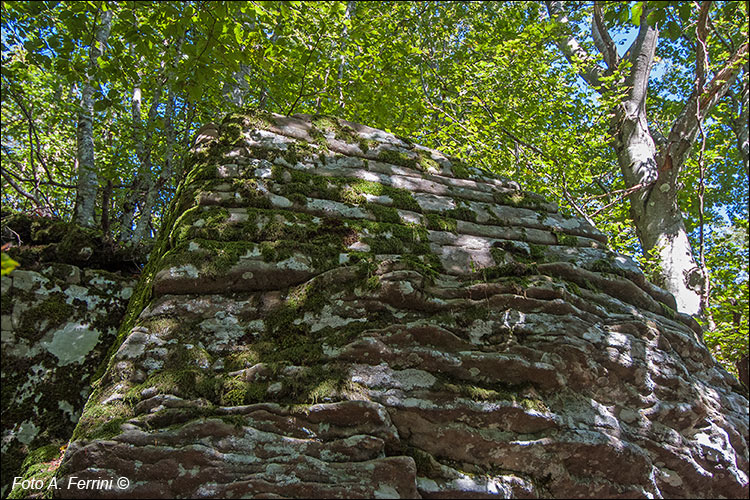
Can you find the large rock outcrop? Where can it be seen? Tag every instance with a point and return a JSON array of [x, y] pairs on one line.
[[334, 311], [60, 316]]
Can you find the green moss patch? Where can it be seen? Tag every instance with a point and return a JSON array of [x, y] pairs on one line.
[[212, 258], [511, 269], [527, 253], [667, 311], [438, 223], [100, 421], [340, 130], [425, 162], [341, 189], [566, 239], [40, 466], [398, 158], [462, 212], [519, 199], [249, 118], [460, 169], [53, 309], [497, 393]]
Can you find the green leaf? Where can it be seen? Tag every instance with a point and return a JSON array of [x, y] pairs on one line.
[[673, 30], [684, 10], [194, 92], [624, 14], [100, 105], [7, 264], [635, 13], [655, 17]]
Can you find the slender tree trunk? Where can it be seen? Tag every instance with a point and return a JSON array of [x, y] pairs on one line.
[[106, 202], [169, 169], [743, 370], [131, 202], [87, 179], [144, 182], [144, 220], [343, 42], [170, 136]]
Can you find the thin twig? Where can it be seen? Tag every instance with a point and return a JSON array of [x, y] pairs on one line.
[[625, 192], [19, 189], [304, 72]]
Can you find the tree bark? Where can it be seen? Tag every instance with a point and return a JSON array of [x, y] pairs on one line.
[[169, 116], [87, 184], [343, 42], [654, 210], [143, 190], [131, 202], [739, 125], [743, 370]]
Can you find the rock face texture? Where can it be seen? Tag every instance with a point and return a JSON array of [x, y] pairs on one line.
[[333, 311], [58, 323]]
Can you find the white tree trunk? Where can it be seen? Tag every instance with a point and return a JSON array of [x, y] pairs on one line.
[[87, 184], [657, 218]]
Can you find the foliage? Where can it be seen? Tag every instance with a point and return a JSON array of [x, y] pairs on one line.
[[478, 80], [728, 340], [8, 264]]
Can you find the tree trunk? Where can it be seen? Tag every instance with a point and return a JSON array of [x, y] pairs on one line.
[[169, 116], [131, 202], [343, 42], [144, 182], [743, 370], [170, 139], [655, 214], [653, 174], [87, 179]]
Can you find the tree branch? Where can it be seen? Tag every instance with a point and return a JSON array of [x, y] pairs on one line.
[[641, 55], [739, 124], [702, 99], [591, 72], [32, 127], [603, 41], [9, 179], [719, 84], [701, 54], [304, 72], [51, 182]]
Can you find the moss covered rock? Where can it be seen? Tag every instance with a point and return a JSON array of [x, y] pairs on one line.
[[334, 311], [58, 323]]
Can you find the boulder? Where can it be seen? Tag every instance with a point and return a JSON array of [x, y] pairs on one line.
[[332, 311]]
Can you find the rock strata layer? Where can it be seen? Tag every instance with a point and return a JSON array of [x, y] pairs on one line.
[[58, 323], [333, 311]]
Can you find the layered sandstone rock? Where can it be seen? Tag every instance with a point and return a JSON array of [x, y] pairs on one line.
[[58, 323], [333, 311]]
